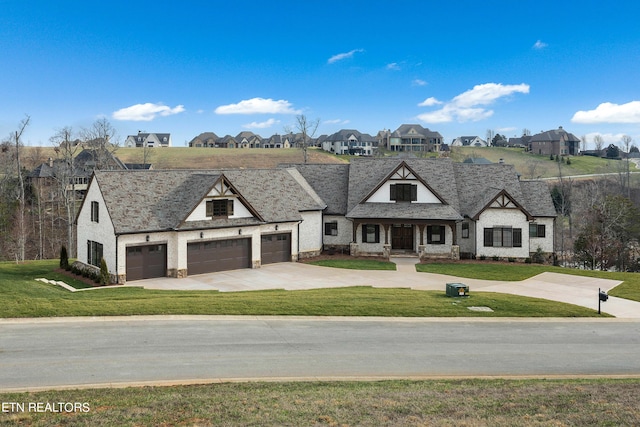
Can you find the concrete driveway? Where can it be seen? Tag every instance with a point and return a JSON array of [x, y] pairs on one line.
[[567, 288]]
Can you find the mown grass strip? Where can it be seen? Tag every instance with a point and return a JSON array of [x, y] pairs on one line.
[[355, 264], [385, 403]]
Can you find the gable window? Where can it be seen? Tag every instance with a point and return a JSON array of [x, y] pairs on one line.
[[370, 233], [331, 228], [219, 208], [403, 192], [465, 230], [537, 230], [95, 212], [435, 234], [94, 253], [505, 237]]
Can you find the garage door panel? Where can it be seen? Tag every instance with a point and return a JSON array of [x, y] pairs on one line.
[[146, 262], [218, 255], [275, 248]]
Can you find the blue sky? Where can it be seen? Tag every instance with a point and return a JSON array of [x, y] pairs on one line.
[[459, 68]]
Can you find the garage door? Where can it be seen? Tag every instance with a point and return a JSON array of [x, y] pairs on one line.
[[276, 248], [145, 262], [218, 255]]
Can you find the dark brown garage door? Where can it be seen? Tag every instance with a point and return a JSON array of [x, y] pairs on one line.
[[218, 255], [276, 248], [145, 262]]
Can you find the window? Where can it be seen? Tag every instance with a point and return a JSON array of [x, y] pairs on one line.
[[435, 235], [537, 230], [331, 228], [506, 237], [219, 208], [94, 253], [403, 192], [370, 233], [465, 230], [95, 212]]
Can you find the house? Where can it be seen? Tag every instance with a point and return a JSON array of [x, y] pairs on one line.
[[349, 141], [196, 221], [205, 139], [203, 221], [432, 208], [411, 138], [557, 142], [277, 141], [247, 139], [143, 139], [469, 141]]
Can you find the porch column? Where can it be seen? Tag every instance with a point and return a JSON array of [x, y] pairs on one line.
[[386, 233], [421, 228]]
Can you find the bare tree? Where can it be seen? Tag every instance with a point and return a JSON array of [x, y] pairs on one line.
[[598, 140], [307, 128], [626, 145], [101, 138], [20, 220], [65, 178], [490, 135], [583, 142]]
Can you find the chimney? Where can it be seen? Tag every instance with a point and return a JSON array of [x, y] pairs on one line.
[[50, 161]]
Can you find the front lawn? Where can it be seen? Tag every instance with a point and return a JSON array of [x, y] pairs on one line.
[[23, 296], [355, 264], [629, 289]]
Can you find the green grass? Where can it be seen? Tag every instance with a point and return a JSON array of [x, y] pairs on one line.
[[469, 402], [629, 288], [356, 264], [22, 296]]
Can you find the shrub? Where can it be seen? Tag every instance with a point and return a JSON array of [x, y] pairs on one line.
[[538, 256], [527, 260], [103, 277], [568, 161], [64, 258], [495, 258], [511, 259], [483, 257]]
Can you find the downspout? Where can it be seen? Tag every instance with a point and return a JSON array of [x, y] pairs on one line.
[[117, 275]]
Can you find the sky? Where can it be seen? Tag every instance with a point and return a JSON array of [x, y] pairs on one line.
[[458, 68]]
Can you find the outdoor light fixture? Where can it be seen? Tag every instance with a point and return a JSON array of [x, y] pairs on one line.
[[276, 227], [201, 234], [147, 238], [240, 231]]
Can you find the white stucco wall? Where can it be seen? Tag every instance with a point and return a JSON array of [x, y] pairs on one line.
[[467, 244], [370, 247], [310, 238], [435, 248], [383, 193], [345, 230], [101, 232], [491, 218], [545, 243]]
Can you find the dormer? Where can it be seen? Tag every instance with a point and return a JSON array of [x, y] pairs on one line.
[[403, 185], [222, 201]]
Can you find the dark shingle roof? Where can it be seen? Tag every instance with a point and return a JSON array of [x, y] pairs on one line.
[[144, 201], [330, 182], [538, 198]]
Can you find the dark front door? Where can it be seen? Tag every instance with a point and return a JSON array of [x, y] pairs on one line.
[[402, 237]]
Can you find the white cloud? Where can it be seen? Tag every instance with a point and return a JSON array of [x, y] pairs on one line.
[[419, 82], [261, 125], [336, 122], [539, 45], [429, 102], [608, 138], [341, 56], [258, 106], [468, 105], [608, 112], [146, 112], [393, 66]]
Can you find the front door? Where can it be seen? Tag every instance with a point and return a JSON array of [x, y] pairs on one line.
[[402, 237]]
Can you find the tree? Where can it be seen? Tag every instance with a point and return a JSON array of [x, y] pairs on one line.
[[101, 138], [626, 145], [490, 135], [21, 230], [598, 141], [612, 152], [307, 129], [66, 150]]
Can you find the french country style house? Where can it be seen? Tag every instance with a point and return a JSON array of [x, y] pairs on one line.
[[155, 223]]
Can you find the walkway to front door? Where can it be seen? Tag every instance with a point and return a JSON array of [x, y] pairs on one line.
[[402, 237]]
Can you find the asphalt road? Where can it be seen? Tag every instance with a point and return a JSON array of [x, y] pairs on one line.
[[55, 353]]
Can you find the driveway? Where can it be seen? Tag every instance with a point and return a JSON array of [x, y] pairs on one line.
[[567, 288]]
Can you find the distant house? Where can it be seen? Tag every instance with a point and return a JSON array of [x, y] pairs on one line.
[[276, 141], [143, 139], [469, 141], [411, 138], [522, 141], [557, 142], [247, 139], [349, 141]]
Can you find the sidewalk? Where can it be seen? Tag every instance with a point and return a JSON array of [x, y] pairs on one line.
[[566, 288]]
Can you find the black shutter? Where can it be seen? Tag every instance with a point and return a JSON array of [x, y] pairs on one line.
[[230, 207], [414, 192], [364, 233], [442, 234], [541, 230], [517, 237], [429, 233], [377, 231], [392, 195], [488, 236]]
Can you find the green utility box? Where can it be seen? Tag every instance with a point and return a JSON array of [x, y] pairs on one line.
[[457, 290]]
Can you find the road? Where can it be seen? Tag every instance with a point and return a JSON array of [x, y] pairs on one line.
[[86, 352]]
